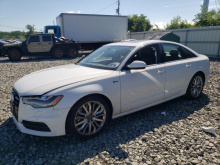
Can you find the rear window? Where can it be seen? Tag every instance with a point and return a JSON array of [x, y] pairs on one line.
[[187, 53], [46, 38], [172, 52]]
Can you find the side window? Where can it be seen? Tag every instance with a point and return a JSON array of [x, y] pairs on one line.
[[52, 30], [172, 52], [148, 54], [187, 53], [34, 39], [46, 38]]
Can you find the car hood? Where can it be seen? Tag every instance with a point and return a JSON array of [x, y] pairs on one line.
[[13, 44], [43, 81]]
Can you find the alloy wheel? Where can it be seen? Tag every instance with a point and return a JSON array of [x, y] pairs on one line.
[[90, 118], [196, 86], [58, 53], [15, 54]]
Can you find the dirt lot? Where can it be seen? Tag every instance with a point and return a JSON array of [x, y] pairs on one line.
[[145, 137]]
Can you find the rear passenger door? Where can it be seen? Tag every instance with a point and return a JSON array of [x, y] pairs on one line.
[[176, 69], [47, 43]]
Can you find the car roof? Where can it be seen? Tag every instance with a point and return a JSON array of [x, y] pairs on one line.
[[137, 43], [41, 34]]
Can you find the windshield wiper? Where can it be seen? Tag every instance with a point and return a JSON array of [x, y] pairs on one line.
[[83, 56]]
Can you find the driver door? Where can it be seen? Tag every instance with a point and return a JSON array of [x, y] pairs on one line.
[[34, 44], [143, 86]]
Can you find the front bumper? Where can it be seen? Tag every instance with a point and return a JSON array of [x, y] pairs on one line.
[[3, 51], [40, 121]]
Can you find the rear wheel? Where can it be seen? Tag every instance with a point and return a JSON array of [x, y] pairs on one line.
[[58, 53], [14, 54], [72, 53], [195, 87], [88, 117]]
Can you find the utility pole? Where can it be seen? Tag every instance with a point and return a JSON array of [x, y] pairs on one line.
[[118, 9], [205, 6]]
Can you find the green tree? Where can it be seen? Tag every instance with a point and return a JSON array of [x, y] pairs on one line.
[[30, 29], [13, 35], [138, 23], [178, 23], [211, 18]]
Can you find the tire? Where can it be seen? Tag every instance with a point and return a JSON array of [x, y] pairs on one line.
[[14, 55], [195, 87], [72, 53], [85, 123], [58, 53]]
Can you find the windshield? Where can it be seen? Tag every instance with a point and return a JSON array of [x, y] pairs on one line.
[[107, 57]]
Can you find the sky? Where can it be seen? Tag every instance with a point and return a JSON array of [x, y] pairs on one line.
[[16, 14]]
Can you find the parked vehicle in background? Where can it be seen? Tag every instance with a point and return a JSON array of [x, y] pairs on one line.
[[41, 44], [2, 43], [91, 31], [115, 80]]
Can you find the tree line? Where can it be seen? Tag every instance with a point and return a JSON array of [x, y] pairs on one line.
[[18, 34], [142, 23]]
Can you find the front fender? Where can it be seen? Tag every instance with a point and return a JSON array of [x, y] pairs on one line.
[[110, 88], [13, 47]]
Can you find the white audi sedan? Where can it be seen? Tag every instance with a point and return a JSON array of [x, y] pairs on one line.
[[115, 80]]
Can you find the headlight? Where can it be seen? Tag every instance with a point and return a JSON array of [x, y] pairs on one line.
[[42, 102]]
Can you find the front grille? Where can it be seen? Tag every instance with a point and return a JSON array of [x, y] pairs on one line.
[[37, 126], [14, 103]]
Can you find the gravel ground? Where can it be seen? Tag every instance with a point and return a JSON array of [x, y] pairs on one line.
[[145, 137]]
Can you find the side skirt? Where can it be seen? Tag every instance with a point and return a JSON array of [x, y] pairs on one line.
[[148, 105]]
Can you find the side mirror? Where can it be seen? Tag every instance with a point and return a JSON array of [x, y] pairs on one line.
[[137, 65], [29, 42]]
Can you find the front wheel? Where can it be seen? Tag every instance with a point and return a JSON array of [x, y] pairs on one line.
[[14, 54], [88, 117], [195, 87]]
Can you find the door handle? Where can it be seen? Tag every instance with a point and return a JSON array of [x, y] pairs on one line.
[[160, 71], [188, 65], [39, 43]]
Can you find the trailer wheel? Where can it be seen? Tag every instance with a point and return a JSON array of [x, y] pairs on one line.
[[14, 54], [72, 53], [58, 53]]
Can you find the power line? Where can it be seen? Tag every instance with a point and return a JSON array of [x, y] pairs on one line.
[[106, 7], [12, 27], [17, 27]]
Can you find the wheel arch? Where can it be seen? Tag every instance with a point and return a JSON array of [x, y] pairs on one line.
[[14, 47], [53, 47], [89, 95], [202, 74], [188, 94]]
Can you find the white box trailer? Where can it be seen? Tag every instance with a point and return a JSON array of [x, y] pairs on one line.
[[93, 29]]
